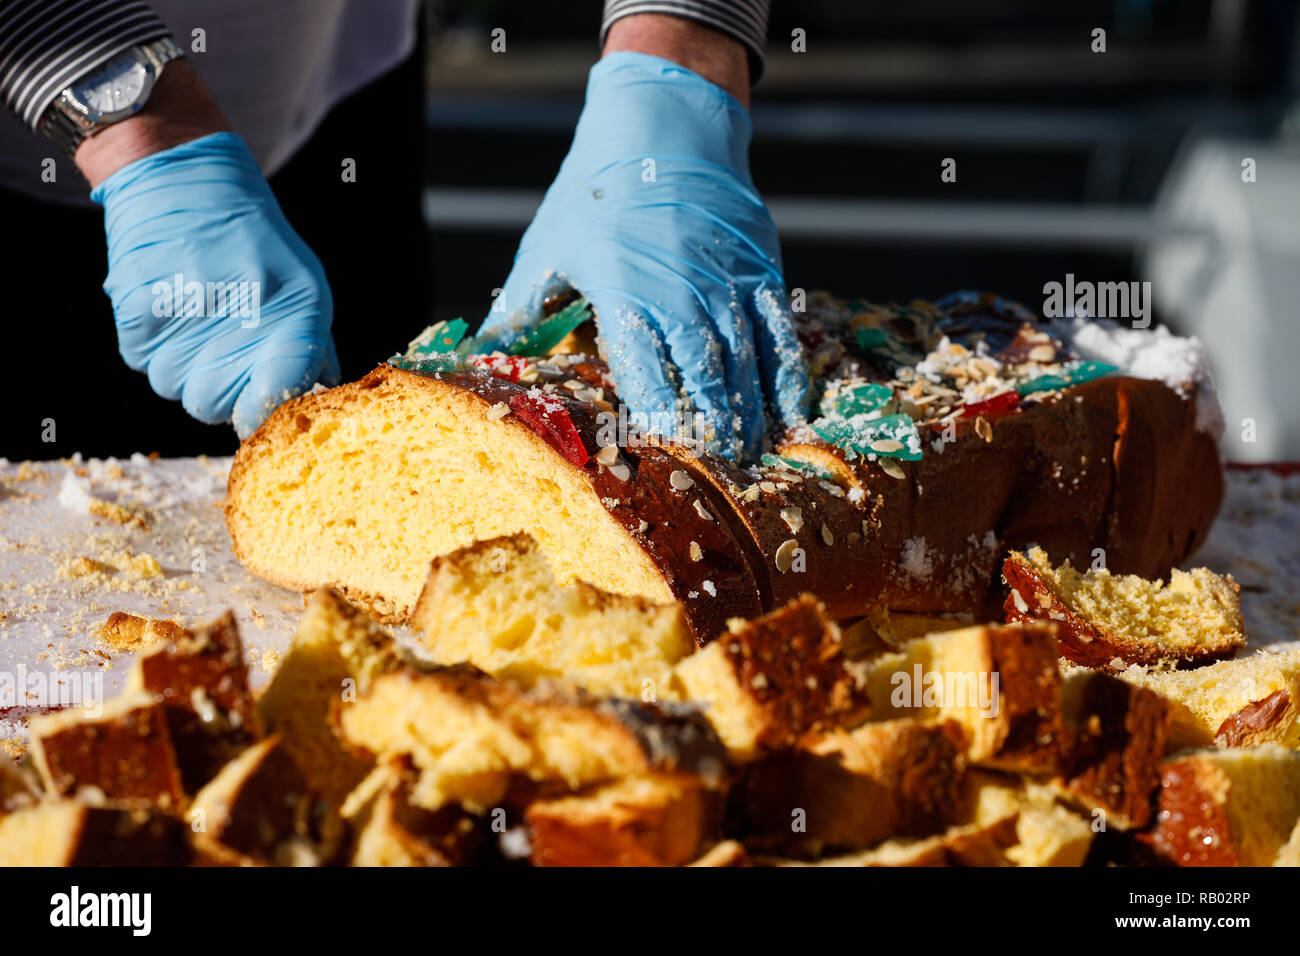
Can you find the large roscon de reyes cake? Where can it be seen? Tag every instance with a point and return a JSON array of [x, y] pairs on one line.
[[942, 435]]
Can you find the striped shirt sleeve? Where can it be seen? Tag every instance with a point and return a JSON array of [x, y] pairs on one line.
[[45, 45], [745, 20]]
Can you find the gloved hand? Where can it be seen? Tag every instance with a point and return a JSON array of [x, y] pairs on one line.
[[202, 213], [654, 218]]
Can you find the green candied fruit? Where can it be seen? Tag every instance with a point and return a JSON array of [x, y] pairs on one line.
[[1075, 376], [861, 399], [549, 332], [776, 461], [869, 338], [1090, 370], [874, 436], [1043, 383], [427, 365], [438, 339]]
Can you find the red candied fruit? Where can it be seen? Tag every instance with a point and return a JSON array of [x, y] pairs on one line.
[[549, 418]]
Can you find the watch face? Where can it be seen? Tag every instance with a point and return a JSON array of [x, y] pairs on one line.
[[114, 88]]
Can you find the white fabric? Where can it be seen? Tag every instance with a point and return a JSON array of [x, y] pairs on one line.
[[1238, 291], [274, 66]]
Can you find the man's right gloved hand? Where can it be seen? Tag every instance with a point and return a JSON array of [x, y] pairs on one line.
[[654, 218], [186, 225]]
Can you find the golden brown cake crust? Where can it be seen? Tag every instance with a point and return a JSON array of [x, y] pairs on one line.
[[1251, 725], [125, 753], [1117, 463], [1192, 828]]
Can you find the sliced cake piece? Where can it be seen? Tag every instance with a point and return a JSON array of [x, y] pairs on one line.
[[649, 820], [1110, 621], [200, 679], [772, 680], [497, 604], [473, 740], [120, 750], [848, 790], [1000, 684], [1247, 701], [336, 652], [1226, 807], [70, 833], [397, 468], [260, 806]]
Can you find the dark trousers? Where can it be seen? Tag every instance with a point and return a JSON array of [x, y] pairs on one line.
[[63, 358]]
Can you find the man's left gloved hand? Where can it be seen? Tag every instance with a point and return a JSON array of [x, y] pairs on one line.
[[654, 218]]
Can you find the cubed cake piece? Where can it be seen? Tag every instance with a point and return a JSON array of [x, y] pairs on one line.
[[971, 844], [1116, 738], [726, 853], [472, 738], [1247, 701], [848, 790], [17, 787], [498, 605], [1047, 833], [1000, 684], [119, 750], [391, 831], [71, 833], [336, 652], [648, 820], [1113, 620], [1289, 855], [200, 678], [772, 680], [1225, 807], [260, 806]]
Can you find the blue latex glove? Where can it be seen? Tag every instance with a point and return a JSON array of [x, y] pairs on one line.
[[203, 211], [684, 271]]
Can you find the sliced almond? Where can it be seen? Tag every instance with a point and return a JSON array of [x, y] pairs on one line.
[[680, 480], [697, 553], [828, 537], [621, 472], [702, 511], [607, 455], [886, 445], [793, 518], [785, 555], [891, 468]]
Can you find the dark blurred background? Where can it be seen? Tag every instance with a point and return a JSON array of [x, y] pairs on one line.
[[1067, 159], [1060, 150], [1115, 166]]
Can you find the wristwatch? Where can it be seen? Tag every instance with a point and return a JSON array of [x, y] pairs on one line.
[[109, 93]]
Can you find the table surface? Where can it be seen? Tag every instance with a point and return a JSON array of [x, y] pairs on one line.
[[50, 610]]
